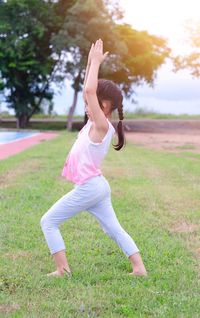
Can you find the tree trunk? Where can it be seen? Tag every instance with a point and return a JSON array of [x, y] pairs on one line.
[[18, 127], [76, 86], [71, 111], [22, 121]]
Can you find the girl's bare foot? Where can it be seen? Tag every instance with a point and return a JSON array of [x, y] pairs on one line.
[[139, 271], [59, 273], [137, 264], [56, 273]]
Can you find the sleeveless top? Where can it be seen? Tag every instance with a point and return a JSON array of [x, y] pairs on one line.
[[85, 156]]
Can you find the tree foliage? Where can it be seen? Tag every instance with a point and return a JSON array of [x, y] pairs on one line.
[[191, 61], [26, 62], [138, 61], [134, 56], [44, 41], [86, 21]]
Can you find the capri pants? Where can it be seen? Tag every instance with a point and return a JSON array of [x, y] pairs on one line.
[[93, 196]]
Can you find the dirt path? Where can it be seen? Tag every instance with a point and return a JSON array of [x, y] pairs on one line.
[[173, 141]]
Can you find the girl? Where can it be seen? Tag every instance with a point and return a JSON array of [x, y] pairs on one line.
[[82, 167]]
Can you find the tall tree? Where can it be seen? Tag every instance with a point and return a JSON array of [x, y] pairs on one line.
[[87, 20], [42, 41], [27, 65], [134, 56]]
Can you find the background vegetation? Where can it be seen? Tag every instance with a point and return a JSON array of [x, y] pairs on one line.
[[42, 42]]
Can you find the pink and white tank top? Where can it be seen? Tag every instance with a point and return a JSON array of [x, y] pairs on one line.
[[85, 156]]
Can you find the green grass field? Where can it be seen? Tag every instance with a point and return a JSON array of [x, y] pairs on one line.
[[153, 193]]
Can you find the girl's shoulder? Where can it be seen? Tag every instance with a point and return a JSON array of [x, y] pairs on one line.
[[109, 122], [110, 125], [89, 124]]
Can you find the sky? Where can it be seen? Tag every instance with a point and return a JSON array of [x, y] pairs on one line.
[[163, 18], [175, 93]]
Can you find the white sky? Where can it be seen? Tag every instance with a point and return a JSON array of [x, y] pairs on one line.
[[173, 92], [162, 17]]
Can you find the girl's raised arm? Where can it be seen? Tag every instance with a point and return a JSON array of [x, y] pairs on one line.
[[87, 71], [97, 57]]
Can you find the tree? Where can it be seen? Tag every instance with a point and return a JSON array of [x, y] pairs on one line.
[[134, 56], [191, 61], [44, 41], [138, 61], [86, 21], [27, 65]]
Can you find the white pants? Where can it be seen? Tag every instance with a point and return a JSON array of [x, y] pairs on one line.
[[93, 196]]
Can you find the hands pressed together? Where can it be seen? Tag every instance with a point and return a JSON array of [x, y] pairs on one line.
[[95, 58], [96, 52]]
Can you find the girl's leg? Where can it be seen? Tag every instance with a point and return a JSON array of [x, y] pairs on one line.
[[77, 200], [63, 209], [61, 263], [106, 216]]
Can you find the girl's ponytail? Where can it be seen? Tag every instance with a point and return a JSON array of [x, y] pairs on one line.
[[107, 90], [120, 129]]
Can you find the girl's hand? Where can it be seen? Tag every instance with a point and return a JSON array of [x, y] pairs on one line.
[[96, 52]]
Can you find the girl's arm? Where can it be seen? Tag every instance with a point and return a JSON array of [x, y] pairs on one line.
[[87, 71], [92, 78], [97, 57], [85, 80]]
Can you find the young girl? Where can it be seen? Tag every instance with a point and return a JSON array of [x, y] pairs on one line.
[[91, 191]]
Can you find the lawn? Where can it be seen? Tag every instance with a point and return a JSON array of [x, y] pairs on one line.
[[156, 196]]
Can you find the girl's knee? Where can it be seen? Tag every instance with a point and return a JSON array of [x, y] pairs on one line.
[[44, 221], [48, 220]]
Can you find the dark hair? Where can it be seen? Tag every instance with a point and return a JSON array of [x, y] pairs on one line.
[[108, 90]]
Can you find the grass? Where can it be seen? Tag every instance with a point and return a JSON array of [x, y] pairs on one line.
[[186, 146], [152, 193], [139, 112]]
